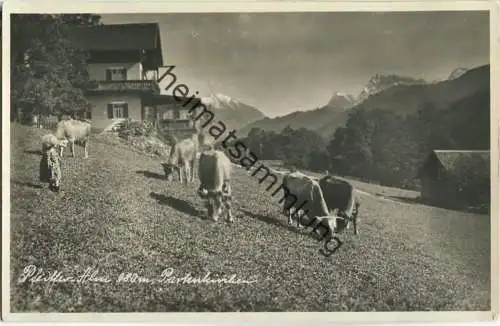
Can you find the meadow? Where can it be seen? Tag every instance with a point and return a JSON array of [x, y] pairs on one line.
[[116, 213]]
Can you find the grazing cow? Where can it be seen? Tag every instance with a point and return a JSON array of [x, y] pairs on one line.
[[321, 209], [340, 196], [74, 131], [182, 158], [214, 171], [305, 194]]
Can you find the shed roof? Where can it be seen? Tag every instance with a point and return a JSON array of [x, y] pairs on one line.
[[452, 160], [449, 158]]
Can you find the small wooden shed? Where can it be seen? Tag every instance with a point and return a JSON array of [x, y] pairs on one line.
[[456, 176]]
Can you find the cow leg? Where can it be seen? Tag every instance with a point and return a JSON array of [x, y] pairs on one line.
[[61, 151], [227, 206], [289, 215], [179, 172], [298, 216], [355, 219], [85, 149], [192, 170], [72, 146], [187, 172]]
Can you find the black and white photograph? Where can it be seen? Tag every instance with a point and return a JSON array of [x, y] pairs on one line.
[[249, 161]]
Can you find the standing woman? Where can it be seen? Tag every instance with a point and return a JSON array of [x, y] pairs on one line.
[[50, 164]]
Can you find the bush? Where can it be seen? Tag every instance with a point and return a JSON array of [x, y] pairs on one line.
[[131, 128], [147, 145]]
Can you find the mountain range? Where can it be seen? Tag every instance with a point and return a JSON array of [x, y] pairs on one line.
[[398, 94], [401, 95], [232, 112]]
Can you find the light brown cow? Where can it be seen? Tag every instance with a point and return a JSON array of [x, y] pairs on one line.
[[214, 171], [182, 158], [74, 131], [304, 194]]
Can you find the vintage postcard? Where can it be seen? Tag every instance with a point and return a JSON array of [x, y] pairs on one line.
[[323, 161]]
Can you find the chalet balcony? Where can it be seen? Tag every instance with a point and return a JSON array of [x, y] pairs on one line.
[[150, 86], [176, 124]]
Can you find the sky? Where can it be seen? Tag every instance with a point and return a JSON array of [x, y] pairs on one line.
[[285, 62]]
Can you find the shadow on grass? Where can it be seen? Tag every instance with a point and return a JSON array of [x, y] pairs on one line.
[[152, 175], [33, 152], [305, 231], [276, 222], [451, 206], [177, 204], [27, 184], [409, 200]]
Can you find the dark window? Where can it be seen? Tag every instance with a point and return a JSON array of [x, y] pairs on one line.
[[117, 110], [149, 113], [116, 74]]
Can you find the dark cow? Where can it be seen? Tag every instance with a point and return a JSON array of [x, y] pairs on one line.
[[341, 198]]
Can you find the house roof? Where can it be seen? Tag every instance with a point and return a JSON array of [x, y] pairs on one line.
[[118, 37], [454, 160], [449, 158]]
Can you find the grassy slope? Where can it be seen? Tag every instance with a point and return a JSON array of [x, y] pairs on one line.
[[114, 218]]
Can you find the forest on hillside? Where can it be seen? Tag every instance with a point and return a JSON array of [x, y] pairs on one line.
[[378, 145]]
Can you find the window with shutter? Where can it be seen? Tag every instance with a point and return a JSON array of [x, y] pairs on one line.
[[124, 74], [125, 110], [119, 73], [108, 74], [117, 110], [110, 111]]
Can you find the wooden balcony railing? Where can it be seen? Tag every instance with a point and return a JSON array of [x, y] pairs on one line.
[[176, 124], [125, 85]]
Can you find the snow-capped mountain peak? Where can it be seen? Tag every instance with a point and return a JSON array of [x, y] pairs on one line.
[[220, 101], [342, 100], [457, 73]]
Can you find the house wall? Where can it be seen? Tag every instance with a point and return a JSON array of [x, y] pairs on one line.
[[429, 188], [438, 191], [100, 107], [168, 112], [97, 71]]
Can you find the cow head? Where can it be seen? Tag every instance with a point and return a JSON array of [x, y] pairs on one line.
[[169, 170], [214, 200], [63, 143], [214, 206]]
